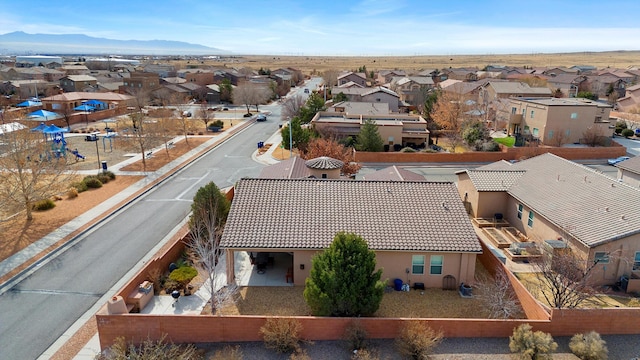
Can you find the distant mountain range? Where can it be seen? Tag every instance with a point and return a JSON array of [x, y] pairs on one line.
[[21, 43]]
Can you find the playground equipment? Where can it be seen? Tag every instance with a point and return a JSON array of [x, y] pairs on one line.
[[56, 136], [77, 154]]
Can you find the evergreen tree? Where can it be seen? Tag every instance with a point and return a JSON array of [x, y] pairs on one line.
[[343, 280], [369, 138], [207, 197]]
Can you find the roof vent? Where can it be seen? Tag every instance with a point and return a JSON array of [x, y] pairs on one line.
[[606, 209], [623, 217], [444, 205]]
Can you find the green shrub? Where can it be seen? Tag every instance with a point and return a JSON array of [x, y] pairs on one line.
[[170, 285], [356, 336], [72, 193], [627, 132], [635, 302], [110, 174], [589, 346], [81, 186], [183, 275], [416, 340], [281, 334], [217, 123], [43, 205], [531, 345], [92, 182], [104, 178]]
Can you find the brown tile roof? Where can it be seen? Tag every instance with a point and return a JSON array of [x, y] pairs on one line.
[[292, 168], [494, 180], [592, 207], [307, 213], [394, 173]]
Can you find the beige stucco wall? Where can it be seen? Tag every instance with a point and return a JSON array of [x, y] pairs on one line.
[[395, 263], [490, 203], [330, 174], [629, 178], [557, 118], [382, 97], [468, 193], [390, 131], [622, 253]]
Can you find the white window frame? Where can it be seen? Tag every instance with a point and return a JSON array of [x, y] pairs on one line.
[[435, 265], [520, 209], [415, 262], [601, 257]]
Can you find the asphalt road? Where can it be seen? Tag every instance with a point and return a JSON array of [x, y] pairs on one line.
[[41, 307]]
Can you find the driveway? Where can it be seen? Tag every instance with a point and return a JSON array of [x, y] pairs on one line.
[[632, 145]]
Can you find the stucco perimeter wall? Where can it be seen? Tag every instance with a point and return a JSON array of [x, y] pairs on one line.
[[506, 154], [137, 328]]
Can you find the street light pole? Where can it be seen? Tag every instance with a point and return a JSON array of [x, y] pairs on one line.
[[290, 137], [98, 154]]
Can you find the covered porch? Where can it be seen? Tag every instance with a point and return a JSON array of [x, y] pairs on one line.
[[260, 268]]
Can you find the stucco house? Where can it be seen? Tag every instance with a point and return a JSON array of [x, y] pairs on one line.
[[631, 101], [358, 78], [412, 89], [557, 121], [296, 167], [406, 130], [549, 198], [629, 171], [376, 94], [83, 83], [419, 230], [494, 90]]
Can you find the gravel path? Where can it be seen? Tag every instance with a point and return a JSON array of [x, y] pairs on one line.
[[621, 347]]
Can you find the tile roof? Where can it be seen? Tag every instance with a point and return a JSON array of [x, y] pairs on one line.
[[513, 87], [394, 173], [494, 180], [307, 213], [592, 207], [77, 95], [632, 165], [291, 168]]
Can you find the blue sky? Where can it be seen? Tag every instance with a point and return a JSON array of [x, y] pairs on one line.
[[365, 27]]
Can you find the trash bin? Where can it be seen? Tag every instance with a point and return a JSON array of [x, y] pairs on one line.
[[104, 166], [624, 282], [397, 284]]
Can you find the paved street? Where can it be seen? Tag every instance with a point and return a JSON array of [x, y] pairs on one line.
[[41, 307]]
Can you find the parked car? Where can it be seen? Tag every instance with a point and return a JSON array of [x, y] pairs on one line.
[[261, 117], [617, 160], [306, 91], [186, 113]]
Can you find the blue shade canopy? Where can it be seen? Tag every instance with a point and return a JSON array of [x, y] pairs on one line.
[[40, 114], [40, 127], [92, 102], [84, 107], [29, 103], [52, 129]]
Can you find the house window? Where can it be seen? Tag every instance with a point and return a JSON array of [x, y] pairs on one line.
[[530, 220], [574, 115], [535, 131], [636, 261], [601, 257], [417, 264], [598, 119], [550, 134], [567, 133], [513, 110], [324, 176], [519, 211], [532, 112], [436, 265]]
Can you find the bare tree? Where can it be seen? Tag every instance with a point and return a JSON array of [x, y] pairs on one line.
[[243, 94], [30, 171], [593, 136], [330, 78], [206, 231], [564, 279], [498, 296], [559, 137], [291, 107], [204, 114]]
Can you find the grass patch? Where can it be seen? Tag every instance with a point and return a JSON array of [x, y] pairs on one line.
[[508, 141]]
